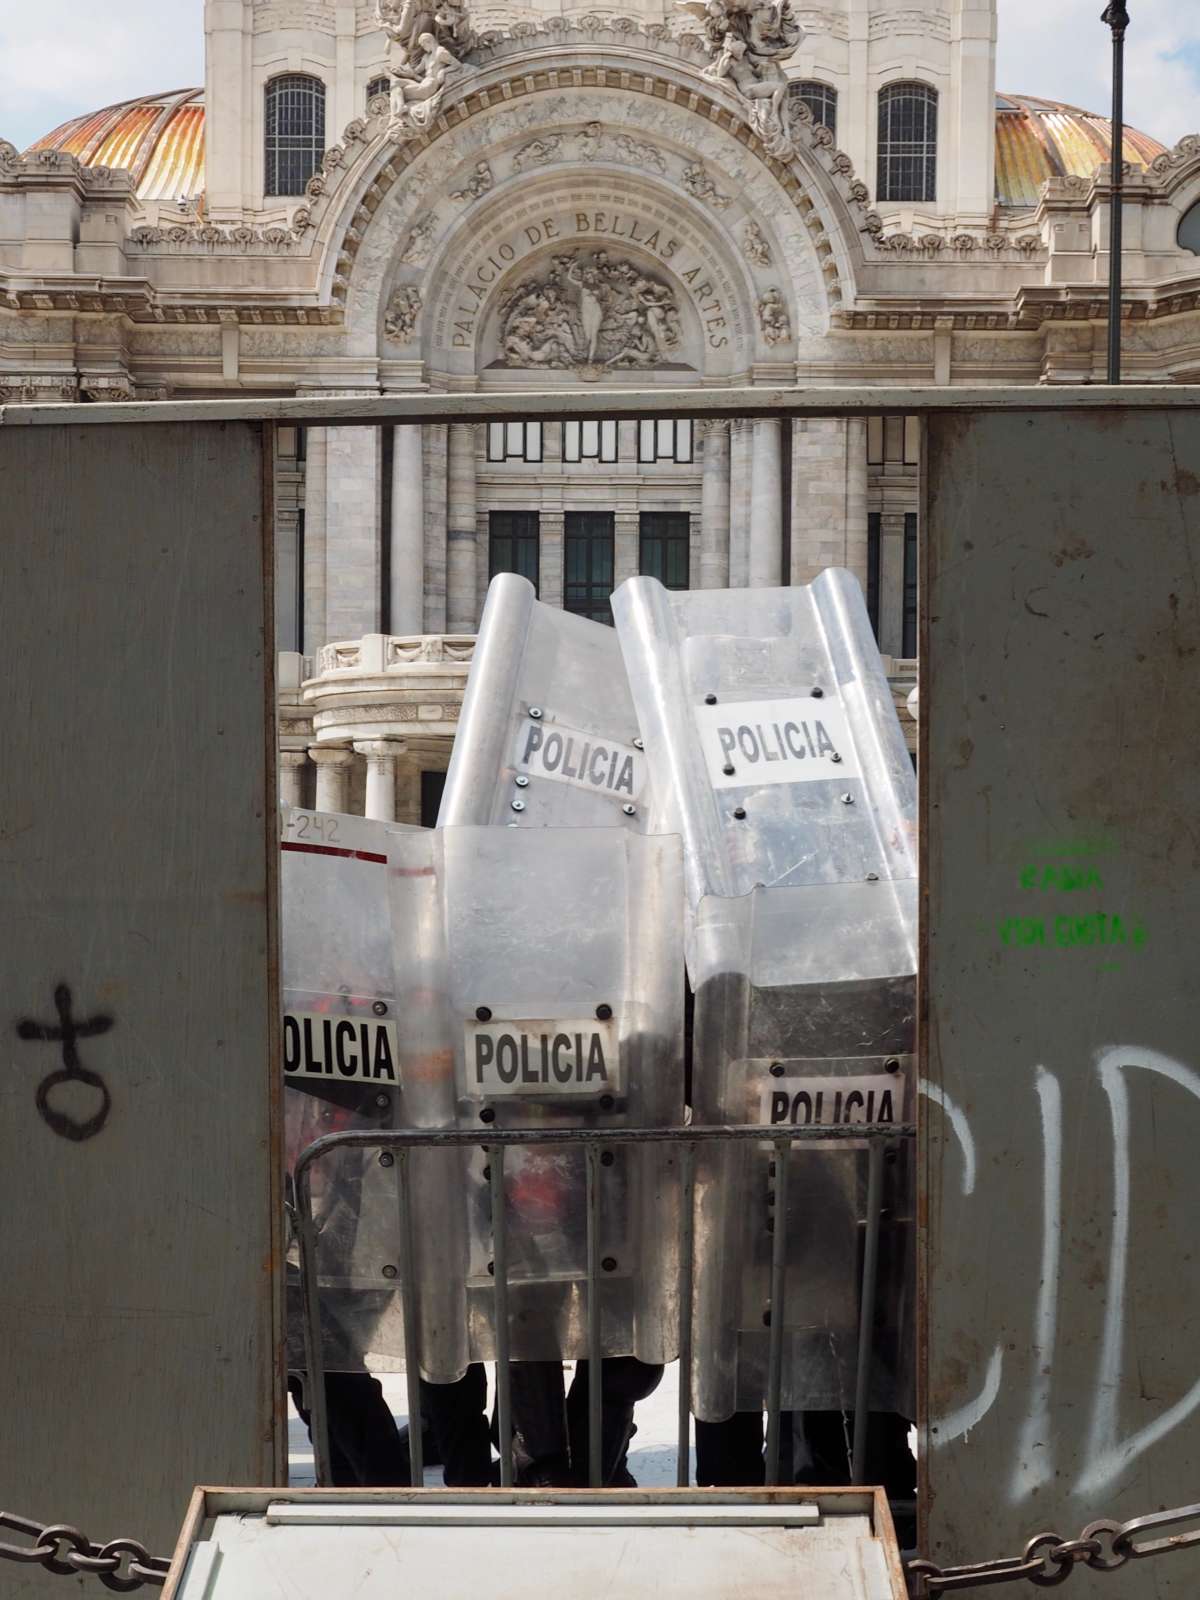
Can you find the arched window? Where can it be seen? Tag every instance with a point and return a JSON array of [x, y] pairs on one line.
[[820, 99], [907, 142], [295, 132], [378, 86], [1189, 230]]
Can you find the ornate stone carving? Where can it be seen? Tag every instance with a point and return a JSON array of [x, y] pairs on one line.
[[403, 309], [420, 241], [637, 153], [747, 40], [427, 40], [538, 153], [477, 184], [754, 245], [590, 312], [773, 318], [701, 187]]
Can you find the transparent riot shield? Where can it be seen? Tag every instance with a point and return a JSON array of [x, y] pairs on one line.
[[552, 998], [341, 1069], [776, 753], [547, 736]]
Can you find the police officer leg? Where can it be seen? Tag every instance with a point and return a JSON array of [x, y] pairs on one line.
[[365, 1448], [458, 1414], [729, 1454], [539, 1424], [624, 1380]]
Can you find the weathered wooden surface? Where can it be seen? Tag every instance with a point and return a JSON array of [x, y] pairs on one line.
[[602, 402], [138, 1291], [1060, 704]]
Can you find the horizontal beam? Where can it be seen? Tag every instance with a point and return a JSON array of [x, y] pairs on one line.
[[531, 404]]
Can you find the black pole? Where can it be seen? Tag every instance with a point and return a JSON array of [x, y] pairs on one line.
[[1117, 16]]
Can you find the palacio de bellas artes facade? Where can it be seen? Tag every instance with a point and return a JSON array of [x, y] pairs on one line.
[[454, 195]]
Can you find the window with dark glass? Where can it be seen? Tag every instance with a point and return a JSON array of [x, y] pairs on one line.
[[432, 786], [588, 564], [514, 441], [589, 441], [907, 143], [908, 638], [664, 547], [874, 530], [378, 86], [820, 99], [295, 132], [665, 439], [513, 544]]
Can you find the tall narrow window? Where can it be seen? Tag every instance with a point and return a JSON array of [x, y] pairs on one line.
[[588, 564], [378, 86], [820, 99], [874, 529], [665, 537], [907, 143], [589, 441], [295, 132], [514, 441], [665, 439], [908, 644], [513, 544]]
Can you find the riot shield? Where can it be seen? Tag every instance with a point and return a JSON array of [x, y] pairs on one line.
[[341, 1071], [776, 753], [547, 737], [550, 998]]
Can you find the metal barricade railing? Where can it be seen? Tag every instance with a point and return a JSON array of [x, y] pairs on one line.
[[496, 1143]]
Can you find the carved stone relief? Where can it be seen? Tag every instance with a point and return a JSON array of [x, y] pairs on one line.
[[701, 187], [747, 41], [478, 184], [427, 40], [754, 245], [590, 312], [773, 318], [420, 242], [538, 152], [403, 309]]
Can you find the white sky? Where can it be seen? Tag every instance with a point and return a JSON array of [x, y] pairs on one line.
[[58, 60]]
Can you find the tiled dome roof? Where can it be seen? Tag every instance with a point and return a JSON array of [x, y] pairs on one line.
[[1040, 139], [159, 138]]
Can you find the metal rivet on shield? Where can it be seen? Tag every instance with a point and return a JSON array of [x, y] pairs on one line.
[[846, 799], [739, 812], [521, 781], [487, 1115], [728, 769], [609, 1263], [629, 810], [389, 1272], [518, 805], [710, 699], [891, 1065], [607, 1102], [386, 1158], [777, 1069], [817, 693], [835, 756], [638, 745], [872, 877], [607, 1158], [483, 1013], [383, 1101], [379, 1007], [604, 1012], [536, 713]]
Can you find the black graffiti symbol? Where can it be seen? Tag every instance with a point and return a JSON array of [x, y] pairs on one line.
[[72, 1069]]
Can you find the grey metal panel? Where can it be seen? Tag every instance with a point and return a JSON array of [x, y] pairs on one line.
[[139, 1308], [1061, 680]]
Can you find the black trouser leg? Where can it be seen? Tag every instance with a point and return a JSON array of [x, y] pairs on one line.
[[539, 1424], [729, 1454], [365, 1448], [458, 1416], [826, 1434], [624, 1380]]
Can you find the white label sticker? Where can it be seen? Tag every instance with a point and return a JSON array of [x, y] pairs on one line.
[[775, 741], [832, 1102], [339, 1049], [540, 1058], [564, 755]]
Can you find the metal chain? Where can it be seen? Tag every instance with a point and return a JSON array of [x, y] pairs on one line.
[[1047, 1560], [121, 1564]]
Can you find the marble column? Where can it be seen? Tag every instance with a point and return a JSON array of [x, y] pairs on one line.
[[352, 535], [333, 775], [462, 601], [891, 583], [408, 790], [714, 506], [436, 508], [856, 546], [741, 444], [380, 754], [829, 496], [291, 776], [766, 506], [407, 578], [314, 541]]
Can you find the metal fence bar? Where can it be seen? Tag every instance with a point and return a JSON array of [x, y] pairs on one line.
[[310, 1303], [500, 1270], [398, 1138], [410, 1307], [595, 1473], [777, 1310], [866, 1320], [687, 1251]]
